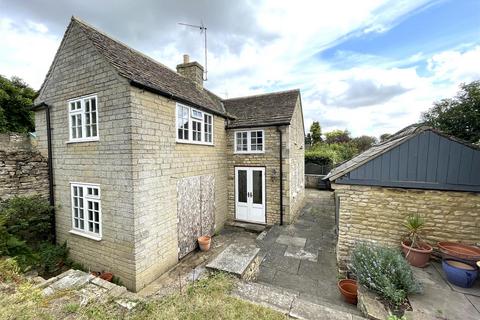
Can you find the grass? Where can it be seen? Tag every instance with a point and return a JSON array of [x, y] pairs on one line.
[[205, 299]]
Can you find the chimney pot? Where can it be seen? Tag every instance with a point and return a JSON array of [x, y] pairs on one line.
[[191, 70]]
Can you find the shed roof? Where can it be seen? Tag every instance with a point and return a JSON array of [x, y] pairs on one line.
[[383, 147], [262, 110]]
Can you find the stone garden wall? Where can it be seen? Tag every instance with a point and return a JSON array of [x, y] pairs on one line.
[[377, 214], [23, 170]]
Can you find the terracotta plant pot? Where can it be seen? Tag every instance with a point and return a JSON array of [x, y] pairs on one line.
[[459, 273], [204, 242], [417, 257], [460, 251], [348, 289], [107, 276]]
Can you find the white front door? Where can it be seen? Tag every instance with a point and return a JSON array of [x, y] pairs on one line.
[[250, 194]]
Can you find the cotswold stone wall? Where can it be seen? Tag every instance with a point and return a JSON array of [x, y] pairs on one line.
[[23, 170], [160, 167], [79, 70], [296, 146], [377, 214]]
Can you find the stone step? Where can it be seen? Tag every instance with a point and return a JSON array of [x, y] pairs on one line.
[[288, 302], [253, 227], [238, 259]]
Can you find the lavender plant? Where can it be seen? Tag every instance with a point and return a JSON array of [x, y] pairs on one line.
[[385, 271]]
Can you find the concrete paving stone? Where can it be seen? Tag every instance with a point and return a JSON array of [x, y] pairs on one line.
[[266, 274], [301, 254], [436, 301], [307, 310], [295, 282], [475, 301], [73, 280], [336, 303], [291, 241], [264, 295], [313, 270], [281, 263], [235, 259], [275, 250]]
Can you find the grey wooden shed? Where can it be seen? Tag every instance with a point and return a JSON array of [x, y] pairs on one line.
[[416, 157]]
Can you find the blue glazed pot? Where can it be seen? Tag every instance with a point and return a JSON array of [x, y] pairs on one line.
[[459, 273]]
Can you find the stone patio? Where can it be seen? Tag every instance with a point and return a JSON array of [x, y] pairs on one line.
[[301, 257]]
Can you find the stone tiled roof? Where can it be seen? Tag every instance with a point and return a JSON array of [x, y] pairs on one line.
[[381, 148], [265, 109], [144, 72]]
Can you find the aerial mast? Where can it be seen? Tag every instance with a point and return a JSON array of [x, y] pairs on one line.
[[203, 30]]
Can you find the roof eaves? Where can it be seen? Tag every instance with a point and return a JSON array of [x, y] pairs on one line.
[[174, 97]]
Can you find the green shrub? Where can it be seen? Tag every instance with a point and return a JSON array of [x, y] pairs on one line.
[[9, 270], [385, 271], [52, 257], [27, 219]]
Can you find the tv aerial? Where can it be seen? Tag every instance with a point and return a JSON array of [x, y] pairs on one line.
[[203, 30]]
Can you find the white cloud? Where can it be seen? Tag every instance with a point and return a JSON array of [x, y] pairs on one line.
[[272, 45], [27, 50]]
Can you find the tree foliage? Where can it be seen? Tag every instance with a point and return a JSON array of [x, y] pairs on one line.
[[315, 132], [458, 116], [337, 136], [364, 142], [16, 98], [385, 136]]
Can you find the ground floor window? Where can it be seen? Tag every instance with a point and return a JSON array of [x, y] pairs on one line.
[[86, 209]]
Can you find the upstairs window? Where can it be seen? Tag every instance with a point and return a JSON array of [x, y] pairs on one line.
[[83, 119], [193, 126], [86, 210], [249, 141]]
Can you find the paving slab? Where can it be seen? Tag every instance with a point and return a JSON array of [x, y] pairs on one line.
[[281, 263], [73, 280], [435, 301], [268, 296], [235, 259], [266, 274], [291, 241], [296, 283], [301, 254], [303, 309]]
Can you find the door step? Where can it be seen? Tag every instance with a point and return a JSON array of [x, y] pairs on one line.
[[240, 260], [252, 227]]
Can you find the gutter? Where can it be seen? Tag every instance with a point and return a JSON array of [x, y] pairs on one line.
[[280, 154], [51, 197]]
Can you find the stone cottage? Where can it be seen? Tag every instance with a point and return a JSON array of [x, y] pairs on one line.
[[145, 159], [418, 170]]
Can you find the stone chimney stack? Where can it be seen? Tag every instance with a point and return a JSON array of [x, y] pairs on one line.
[[191, 70]]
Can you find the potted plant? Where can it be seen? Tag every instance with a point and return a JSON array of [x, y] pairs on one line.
[[204, 242], [459, 273], [417, 252]]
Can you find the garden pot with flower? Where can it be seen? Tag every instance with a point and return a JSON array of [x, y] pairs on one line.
[[417, 252]]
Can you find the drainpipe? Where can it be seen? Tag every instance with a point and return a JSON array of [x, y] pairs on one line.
[[50, 165], [280, 154]]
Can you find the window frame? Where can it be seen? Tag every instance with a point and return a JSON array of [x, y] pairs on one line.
[[82, 113], [94, 198], [191, 119], [249, 142]]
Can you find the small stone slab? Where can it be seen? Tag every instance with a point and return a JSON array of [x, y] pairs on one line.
[[291, 241], [370, 305], [268, 296], [235, 259], [303, 309], [75, 279], [299, 253]]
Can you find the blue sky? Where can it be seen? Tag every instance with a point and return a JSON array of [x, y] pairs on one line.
[[369, 66]]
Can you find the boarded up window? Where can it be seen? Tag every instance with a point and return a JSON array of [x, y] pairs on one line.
[[195, 211]]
